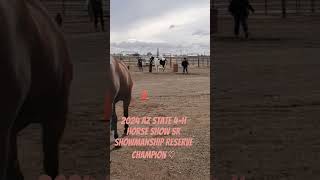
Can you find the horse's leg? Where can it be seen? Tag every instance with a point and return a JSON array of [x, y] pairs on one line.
[[14, 171], [4, 148], [6, 129], [114, 121], [126, 104], [22, 120], [52, 130]]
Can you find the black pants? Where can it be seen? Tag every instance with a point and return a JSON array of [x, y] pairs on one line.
[[240, 19], [140, 67], [185, 69], [98, 13]]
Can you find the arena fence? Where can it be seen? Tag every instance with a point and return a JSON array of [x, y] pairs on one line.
[[274, 7], [73, 11], [194, 60]]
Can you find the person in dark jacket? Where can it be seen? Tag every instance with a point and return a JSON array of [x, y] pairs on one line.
[[140, 64], [240, 11], [150, 64], [185, 65]]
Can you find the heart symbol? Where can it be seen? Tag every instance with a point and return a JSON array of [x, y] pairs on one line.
[[171, 154]]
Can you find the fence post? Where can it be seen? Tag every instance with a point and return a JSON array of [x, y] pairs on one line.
[[63, 8], [298, 4], [312, 6], [170, 61], [202, 61], [284, 9], [198, 61], [266, 7]]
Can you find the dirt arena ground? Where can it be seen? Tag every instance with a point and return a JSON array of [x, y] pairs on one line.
[[170, 94], [266, 92]]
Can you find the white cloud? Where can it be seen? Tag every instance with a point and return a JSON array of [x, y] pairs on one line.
[[180, 26]]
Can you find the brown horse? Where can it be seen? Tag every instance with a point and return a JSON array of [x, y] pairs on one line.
[[35, 76], [121, 89]]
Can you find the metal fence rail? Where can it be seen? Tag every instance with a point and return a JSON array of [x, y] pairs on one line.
[[72, 10], [274, 7], [196, 61]]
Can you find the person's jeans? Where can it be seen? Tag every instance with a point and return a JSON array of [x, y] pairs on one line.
[[185, 69], [240, 19]]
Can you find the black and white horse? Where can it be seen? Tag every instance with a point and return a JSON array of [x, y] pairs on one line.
[[158, 62]]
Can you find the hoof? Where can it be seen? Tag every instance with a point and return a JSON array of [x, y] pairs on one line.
[[126, 126], [116, 136]]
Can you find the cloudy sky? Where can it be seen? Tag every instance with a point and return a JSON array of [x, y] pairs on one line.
[[173, 26]]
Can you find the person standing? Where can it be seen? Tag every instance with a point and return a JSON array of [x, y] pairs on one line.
[[150, 64], [98, 13], [89, 9], [240, 12], [185, 65], [140, 64]]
